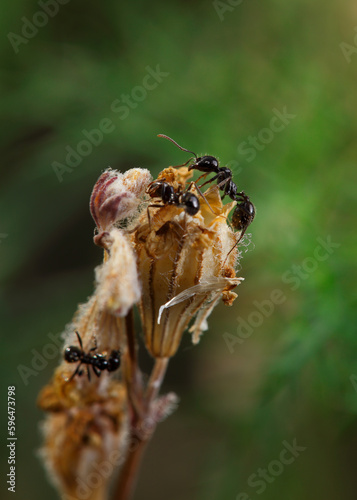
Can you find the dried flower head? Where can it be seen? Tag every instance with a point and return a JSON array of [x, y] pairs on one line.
[[182, 266], [87, 425], [176, 264], [85, 433]]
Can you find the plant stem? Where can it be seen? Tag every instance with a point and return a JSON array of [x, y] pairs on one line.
[[139, 431], [130, 337], [128, 473], [155, 381], [131, 371]]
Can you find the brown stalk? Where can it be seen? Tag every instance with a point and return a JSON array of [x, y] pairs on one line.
[[143, 422]]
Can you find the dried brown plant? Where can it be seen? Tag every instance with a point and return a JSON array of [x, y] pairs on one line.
[[174, 267]]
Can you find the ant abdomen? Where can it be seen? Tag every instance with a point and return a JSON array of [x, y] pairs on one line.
[[243, 214], [191, 203]]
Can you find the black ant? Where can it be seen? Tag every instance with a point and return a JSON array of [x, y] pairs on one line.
[[243, 215], [164, 190], [99, 362], [208, 165], [244, 211]]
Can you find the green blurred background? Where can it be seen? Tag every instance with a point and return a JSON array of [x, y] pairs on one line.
[[229, 67]]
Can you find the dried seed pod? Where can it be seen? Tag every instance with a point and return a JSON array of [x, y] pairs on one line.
[[85, 438], [177, 253], [86, 428]]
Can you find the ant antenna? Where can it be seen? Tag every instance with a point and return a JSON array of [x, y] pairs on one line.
[[180, 147], [79, 340]]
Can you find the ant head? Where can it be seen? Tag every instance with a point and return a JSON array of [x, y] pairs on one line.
[[206, 164], [203, 163], [72, 354]]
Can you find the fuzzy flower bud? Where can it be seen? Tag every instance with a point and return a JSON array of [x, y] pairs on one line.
[[115, 197]]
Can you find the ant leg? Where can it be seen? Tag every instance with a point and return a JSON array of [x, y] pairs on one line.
[[95, 345], [74, 373], [152, 206], [79, 340], [230, 251], [219, 185], [209, 180], [223, 183], [147, 191], [184, 222], [202, 176], [88, 373], [96, 371], [235, 244], [193, 183], [182, 164], [204, 197]]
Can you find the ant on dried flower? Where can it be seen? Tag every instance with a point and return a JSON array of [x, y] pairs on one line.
[[99, 362]]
